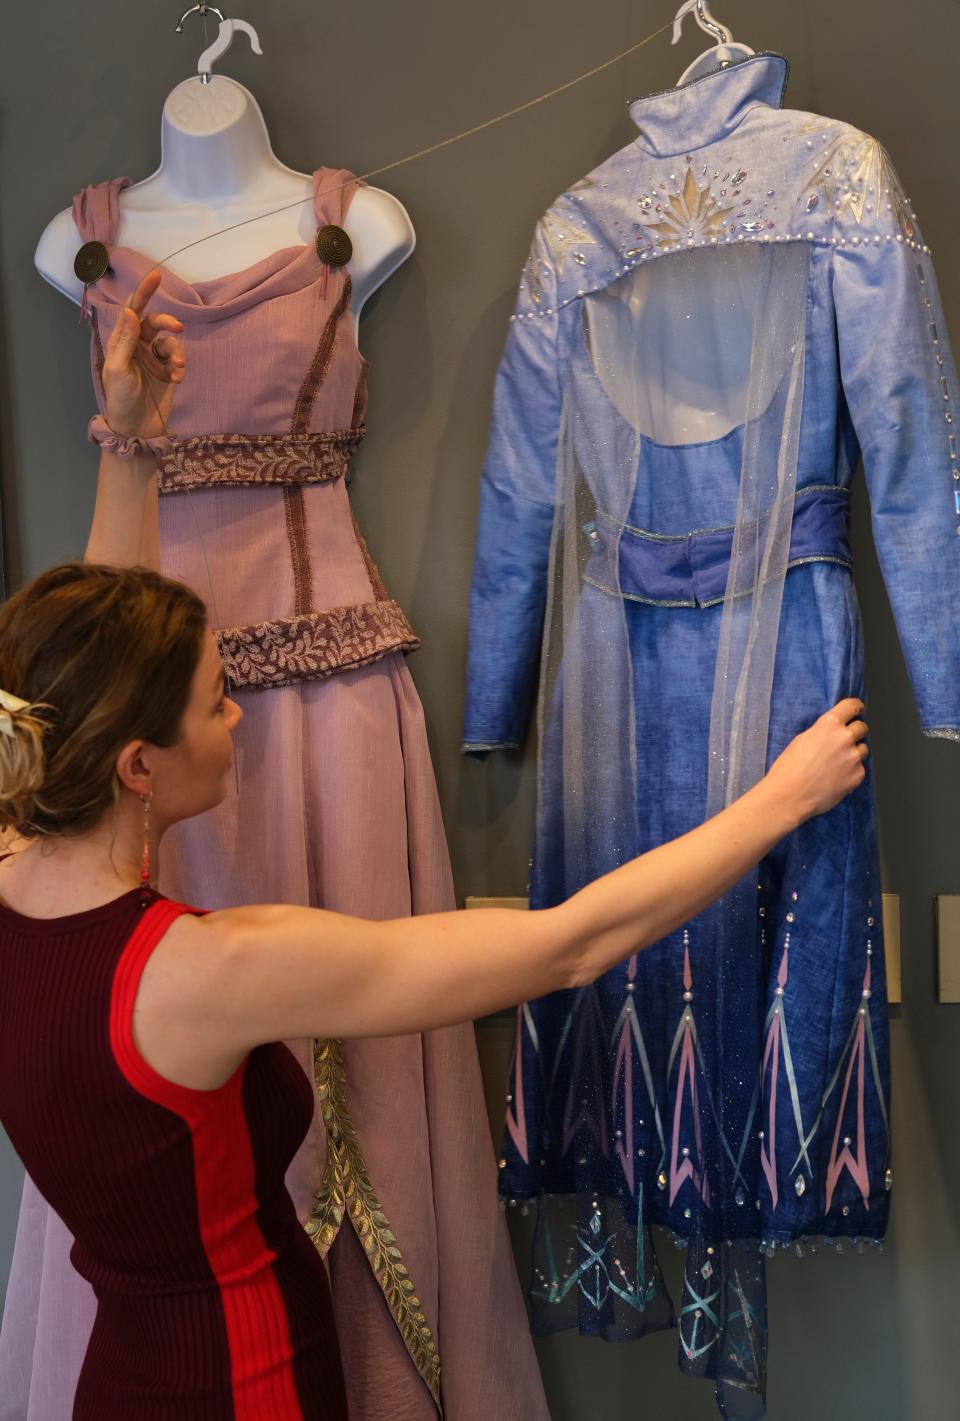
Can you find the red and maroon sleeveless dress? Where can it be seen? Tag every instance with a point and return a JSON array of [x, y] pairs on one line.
[[213, 1304]]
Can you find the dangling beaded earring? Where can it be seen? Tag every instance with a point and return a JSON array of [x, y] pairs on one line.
[[145, 888]]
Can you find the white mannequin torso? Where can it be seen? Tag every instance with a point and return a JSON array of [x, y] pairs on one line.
[[218, 169]]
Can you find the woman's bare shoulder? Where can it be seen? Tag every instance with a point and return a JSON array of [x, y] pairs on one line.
[[207, 935]]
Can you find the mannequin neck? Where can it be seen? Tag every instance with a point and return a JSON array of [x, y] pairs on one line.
[[214, 141]]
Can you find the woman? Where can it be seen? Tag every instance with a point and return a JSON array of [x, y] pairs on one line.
[[140, 1079]]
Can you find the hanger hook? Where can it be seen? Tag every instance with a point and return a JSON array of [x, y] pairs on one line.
[[703, 17], [200, 9], [712, 26]]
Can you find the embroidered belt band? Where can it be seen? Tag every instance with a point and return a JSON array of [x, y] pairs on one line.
[[214, 460], [316, 644], [690, 570]]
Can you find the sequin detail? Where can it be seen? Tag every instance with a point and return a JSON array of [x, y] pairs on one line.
[[845, 189], [691, 212], [952, 451], [853, 174]]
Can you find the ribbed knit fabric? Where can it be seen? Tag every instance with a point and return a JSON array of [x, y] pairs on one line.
[[212, 1302]]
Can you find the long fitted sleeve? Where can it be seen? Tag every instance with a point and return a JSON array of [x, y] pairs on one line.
[[901, 388], [517, 497]]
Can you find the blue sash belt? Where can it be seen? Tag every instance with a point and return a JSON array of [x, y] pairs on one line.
[[691, 570]]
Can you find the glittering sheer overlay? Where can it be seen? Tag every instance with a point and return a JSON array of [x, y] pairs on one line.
[[336, 808], [773, 313], [712, 329], [713, 339]]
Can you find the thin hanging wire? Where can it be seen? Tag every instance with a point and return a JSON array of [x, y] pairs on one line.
[[432, 147], [377, 172], [364, 177]]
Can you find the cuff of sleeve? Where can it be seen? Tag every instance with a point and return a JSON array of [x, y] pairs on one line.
[[126, 446], [942, 732], [479, 751]]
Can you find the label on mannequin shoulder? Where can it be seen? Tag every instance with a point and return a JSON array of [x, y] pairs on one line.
[[194, 107]]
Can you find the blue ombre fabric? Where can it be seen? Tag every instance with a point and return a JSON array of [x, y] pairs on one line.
[[739, 1099]]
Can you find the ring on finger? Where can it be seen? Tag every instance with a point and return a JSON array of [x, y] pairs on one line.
[[155, 346]]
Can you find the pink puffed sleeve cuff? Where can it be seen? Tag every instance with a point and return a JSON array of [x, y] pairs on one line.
[[126, 446]]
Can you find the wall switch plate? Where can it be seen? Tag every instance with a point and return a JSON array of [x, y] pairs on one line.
[[891, 944], [948, 944]]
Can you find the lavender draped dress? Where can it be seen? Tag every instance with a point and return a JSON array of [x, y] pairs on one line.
[[337, 807]]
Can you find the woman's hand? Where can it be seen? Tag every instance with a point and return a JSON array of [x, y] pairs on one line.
[[143, 362], [824, 763]]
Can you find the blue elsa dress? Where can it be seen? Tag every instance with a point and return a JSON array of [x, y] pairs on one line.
[[712, 330]]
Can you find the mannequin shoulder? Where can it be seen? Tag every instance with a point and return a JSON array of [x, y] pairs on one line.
[[383, 238], [55, 255]]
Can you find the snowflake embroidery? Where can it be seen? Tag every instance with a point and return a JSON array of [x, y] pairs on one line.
[[688, 215], [853, 174]]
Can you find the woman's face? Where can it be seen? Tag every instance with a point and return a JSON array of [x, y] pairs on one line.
[[193, 775]]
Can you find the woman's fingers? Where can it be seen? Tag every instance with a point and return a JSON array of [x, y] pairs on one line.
[[141, 297], [154, 322], [165, 346], [164, 358], [123, 341], [847, 710]]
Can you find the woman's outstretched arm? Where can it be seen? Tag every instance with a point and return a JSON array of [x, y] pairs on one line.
[[283, 972]]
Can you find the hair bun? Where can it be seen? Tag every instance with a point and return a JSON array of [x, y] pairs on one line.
[[21, 761]]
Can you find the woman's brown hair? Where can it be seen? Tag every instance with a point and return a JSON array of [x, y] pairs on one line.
[[102, 656]]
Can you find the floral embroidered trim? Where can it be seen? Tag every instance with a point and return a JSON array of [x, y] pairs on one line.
[[212, 460], [943, 732], [316, 644], [347, 1189]]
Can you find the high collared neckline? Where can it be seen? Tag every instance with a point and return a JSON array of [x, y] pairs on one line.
[[709, 108]]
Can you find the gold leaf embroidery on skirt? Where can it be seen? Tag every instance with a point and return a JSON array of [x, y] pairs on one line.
[[347, 1189]]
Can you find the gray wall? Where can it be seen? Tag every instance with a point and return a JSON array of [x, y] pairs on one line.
[[359, 85]]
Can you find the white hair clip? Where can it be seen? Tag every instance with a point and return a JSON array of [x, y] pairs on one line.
[[9, 705]]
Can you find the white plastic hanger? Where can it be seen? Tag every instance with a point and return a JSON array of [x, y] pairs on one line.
[[724, 53], [223, 41]]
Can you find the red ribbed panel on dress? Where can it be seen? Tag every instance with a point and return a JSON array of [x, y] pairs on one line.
[[258, 1330]]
